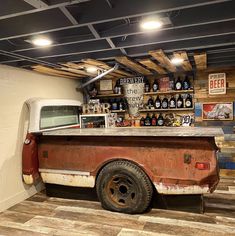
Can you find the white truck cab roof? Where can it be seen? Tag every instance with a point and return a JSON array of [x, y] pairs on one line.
[[36, 105]]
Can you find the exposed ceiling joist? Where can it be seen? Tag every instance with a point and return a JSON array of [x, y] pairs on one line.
[[133, 65], [68, 15], [37, 3], [165, 62], [200, 60], [183, 55], [153, 66]]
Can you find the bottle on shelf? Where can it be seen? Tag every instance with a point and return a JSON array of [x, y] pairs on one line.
[[142, 121], [146, 86], [180, 102], [188, 101], [147, 120], [117, 88], [186, 83], [160, 120], [178, 84], [158, 103], [154, 120], [164, 103], [150, 103], [172, 102], [114, 104], [155, 86]]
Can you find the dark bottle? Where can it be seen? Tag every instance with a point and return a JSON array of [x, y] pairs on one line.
[[180, 102], [117, 88], [114, 105], [154, 120], [164, 103], [178, 84], [150, 103], [188, 101], [146, 86], [160, 120], [142, 121], [186, 83], [155, 86], [158, 103], [147, 120], [172, 102]]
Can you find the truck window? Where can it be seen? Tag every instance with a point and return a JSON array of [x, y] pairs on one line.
[[57, 116]]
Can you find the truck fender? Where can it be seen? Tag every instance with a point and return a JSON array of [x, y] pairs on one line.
[[30, 159]]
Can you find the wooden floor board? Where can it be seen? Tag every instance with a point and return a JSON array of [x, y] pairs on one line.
[[41, 215]]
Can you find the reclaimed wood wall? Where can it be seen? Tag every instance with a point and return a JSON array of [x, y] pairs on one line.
[[227, 142]]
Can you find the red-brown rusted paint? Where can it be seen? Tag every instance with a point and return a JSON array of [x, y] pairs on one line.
[[162, 158], [30, 157]]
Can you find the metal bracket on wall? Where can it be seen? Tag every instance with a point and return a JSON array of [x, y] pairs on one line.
[[99, 76]]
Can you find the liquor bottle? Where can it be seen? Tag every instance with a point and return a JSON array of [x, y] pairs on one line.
[[180, 102], [114, 105], [117, 88], [188, 101], [150, 103], [164, 103], [142, 121], [160, 120], [178, 84], [158, 103], [146, 86], [172, 102], [155, 86], [147, 120], [186, 83], [154, 120]]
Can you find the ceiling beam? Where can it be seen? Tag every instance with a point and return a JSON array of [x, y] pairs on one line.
[[153, 66], [160, 56], [37, 3], [186, 64], [68, 15], [133, 65], [44, 8], [200, 60]]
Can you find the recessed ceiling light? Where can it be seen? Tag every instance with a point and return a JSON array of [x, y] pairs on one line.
[[151, 24], [42, 42], [91, 69], [177, 61]]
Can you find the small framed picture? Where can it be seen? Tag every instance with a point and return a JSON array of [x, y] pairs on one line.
[[106, 85], [217, 111]]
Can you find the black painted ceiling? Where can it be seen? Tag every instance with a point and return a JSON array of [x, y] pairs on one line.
[[103, 29]]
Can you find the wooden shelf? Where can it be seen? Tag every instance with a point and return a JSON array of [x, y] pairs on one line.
[[170, 92], [118, 111], [168, 110], [109, 95]]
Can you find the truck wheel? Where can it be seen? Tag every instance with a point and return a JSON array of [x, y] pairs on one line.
[[124, 187]]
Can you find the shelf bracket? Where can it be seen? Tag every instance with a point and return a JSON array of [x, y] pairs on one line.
[[99, 76]]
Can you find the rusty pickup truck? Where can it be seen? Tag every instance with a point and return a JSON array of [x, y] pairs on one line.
[[124, 164]]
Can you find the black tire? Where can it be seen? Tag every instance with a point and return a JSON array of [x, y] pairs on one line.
[[124, 187]]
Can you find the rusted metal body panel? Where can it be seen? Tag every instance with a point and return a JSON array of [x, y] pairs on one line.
[[170, 162]]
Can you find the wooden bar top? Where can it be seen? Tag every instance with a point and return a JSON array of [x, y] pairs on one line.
[[142, 131]]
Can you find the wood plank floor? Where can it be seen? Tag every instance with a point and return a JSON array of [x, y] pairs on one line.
[[43, 215]]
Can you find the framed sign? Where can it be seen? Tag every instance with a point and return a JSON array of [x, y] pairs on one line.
[[217, 111], [217, 83], [106, 85]]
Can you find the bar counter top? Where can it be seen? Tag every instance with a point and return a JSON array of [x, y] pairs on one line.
[[142, 131]]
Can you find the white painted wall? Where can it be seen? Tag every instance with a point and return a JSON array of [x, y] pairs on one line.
[[16, 86]]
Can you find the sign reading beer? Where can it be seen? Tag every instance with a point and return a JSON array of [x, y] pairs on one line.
[[217, 83], [134, 93]]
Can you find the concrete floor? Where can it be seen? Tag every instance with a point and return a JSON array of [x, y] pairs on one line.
[[43, 215]]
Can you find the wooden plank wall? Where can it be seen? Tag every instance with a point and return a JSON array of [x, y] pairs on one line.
[[227, 142]]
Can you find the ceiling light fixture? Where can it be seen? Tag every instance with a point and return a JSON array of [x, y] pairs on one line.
[[91, 69], [151, 24], [177, 61], [42, 42]]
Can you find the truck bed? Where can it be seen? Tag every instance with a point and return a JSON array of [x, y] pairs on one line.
[[156, 131]]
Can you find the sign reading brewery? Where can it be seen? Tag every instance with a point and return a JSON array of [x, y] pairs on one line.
[[134, 93], [217, 83]]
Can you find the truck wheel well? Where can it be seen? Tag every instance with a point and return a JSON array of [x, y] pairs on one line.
[[121, 159]]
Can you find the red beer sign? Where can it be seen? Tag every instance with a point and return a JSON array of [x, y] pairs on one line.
[[217, 83]]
